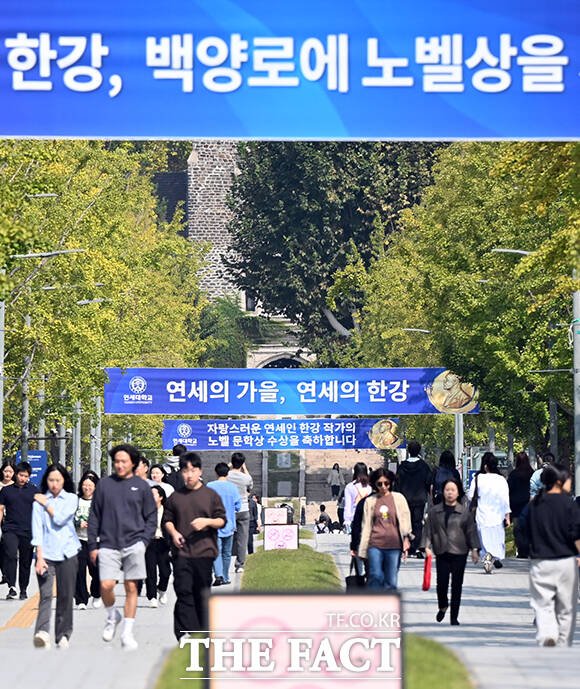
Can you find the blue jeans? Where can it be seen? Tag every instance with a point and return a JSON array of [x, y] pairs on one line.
[[221, 565], [383, 568]]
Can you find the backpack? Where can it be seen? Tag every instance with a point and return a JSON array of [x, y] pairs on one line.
[[442, 474]]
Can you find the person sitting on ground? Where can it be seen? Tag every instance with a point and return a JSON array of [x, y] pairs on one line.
[[323, 522]]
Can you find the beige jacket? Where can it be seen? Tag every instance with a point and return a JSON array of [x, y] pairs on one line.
[[403, 517]]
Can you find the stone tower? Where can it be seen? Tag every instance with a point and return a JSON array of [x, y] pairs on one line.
[[211, 168]]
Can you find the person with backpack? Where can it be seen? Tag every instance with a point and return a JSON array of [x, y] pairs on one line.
[[446, 471], [414, 482]]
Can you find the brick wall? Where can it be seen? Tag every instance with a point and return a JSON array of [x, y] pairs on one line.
[[211, 167]]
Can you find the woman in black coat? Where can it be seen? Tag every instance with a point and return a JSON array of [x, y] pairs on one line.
[[450, 533], [519, 487]]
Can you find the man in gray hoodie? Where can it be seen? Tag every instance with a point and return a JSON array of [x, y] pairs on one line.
[[122, 521]]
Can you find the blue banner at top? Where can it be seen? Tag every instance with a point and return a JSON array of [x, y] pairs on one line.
[[302, 69], [280, 391]]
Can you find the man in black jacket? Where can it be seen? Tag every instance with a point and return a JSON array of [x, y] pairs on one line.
[[122, 521], [413, 481], [16, 503]]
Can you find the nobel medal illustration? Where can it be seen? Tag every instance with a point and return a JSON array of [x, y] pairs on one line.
[[383, 435], [450, 395]]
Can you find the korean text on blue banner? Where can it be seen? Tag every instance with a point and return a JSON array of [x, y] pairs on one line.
[[282, 434], [251, 69], [286, 392]]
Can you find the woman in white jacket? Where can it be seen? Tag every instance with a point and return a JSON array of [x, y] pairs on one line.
[[491, 492]]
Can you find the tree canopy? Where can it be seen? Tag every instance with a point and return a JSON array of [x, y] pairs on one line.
[[303, 212], [129, 297], [493, 317]]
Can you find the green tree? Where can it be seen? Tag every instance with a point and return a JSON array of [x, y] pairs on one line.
[[131, 297], [494, 318], [299, 211]]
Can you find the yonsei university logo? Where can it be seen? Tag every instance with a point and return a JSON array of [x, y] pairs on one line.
[[184, 430], [138, 384]]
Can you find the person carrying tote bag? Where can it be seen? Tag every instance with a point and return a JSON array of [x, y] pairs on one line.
[[385, 531], [356, 581]]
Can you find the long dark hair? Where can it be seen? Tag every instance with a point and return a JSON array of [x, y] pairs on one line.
[[68, 482], [522, 464], [381, 472], [161, 493], [360, 474], [159, 466], [447, 459], [489, 461], [5, 465]]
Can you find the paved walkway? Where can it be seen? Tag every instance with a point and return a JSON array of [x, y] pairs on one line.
[[89, 662], [495, 639], [496, 636]]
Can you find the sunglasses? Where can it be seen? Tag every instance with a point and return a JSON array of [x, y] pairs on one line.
[[383, 483]]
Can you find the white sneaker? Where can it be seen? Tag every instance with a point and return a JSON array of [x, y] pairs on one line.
[[63, 643], [163, 597], [488, 563], [153, 603], [128, 642], [41, 640], [82, 606], [239, 569], [111, 626], [97, 602]]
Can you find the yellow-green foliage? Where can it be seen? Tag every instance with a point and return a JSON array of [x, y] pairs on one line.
[[105, 205]]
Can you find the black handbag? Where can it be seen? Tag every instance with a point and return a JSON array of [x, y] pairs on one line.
[[357, 580]]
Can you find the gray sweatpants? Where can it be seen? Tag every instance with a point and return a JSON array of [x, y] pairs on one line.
[[554, 590], [66, 577]]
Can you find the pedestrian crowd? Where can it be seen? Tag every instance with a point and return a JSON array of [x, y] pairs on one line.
[[135, 526], [143, 522], [423, 512]]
